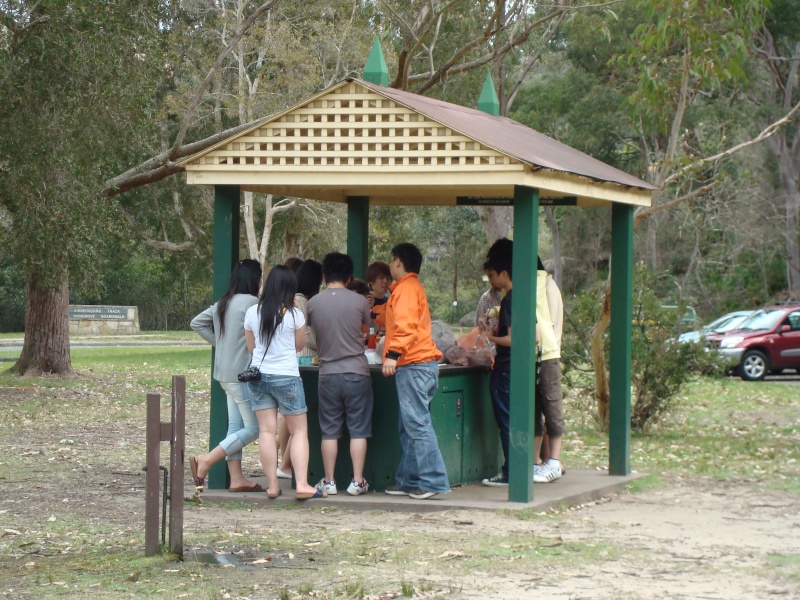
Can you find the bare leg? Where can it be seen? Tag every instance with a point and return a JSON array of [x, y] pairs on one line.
[[237, 477], [330, 448], [358, 454], [298, 429], [555, 447], [284, 441], [544, 451], [537, 449], [206, 461], [267, 450]]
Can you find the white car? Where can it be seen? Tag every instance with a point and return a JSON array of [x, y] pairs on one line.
[[725, 323]]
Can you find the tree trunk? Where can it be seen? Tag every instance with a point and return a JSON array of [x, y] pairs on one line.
[[789, 179], [793, 244], [496, 221], [46, 347], [250, 228], [558, 267], [602, 392]]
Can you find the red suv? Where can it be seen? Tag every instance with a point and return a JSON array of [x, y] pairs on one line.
[[766, 342]]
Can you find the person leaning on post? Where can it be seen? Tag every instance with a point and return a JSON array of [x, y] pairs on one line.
[[222, 326], [412, 358]]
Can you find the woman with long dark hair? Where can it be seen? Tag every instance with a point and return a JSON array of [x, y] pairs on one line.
[[309, 281], [274, 331], [222, 325]]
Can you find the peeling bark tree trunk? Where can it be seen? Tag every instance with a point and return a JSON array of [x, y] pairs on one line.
[[496, 220], [602, 393], [46, 347], [558, 267]]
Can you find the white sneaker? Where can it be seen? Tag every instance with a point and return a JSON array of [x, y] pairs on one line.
[[283, 474], [356, 489], [329, 487], [546, 473]]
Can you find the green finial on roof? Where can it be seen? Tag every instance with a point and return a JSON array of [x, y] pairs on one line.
[[375, 71], [488, 101]]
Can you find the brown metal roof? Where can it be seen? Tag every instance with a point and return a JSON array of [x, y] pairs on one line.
[[511, 138]]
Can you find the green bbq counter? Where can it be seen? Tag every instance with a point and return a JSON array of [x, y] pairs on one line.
[[462, 417]]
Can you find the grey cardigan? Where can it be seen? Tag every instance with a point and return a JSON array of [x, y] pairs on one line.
[[231, 357]]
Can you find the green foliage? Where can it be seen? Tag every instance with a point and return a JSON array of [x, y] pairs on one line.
[[69, 98], [12, 294], [705, 41], [661, 367]]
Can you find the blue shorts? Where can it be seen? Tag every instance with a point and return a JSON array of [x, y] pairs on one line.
[[284, 392]]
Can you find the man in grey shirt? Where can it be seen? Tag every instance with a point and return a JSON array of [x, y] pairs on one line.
[[340, 319]]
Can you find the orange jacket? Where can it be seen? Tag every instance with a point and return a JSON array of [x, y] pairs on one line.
[[408, 323]]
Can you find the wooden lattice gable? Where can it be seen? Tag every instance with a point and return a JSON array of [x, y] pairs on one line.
[[350, 128]]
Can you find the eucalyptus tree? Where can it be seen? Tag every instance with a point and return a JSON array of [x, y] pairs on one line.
[[778, 47], [76, 80], [640, 82]]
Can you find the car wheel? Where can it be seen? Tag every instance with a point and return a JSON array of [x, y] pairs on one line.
[[755, 365]]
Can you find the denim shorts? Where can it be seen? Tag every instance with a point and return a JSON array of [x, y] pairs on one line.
[[284, 392]]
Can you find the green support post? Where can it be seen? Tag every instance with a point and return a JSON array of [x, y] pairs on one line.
[[523, 343], [619, 430], [358, 233], [226, 253]]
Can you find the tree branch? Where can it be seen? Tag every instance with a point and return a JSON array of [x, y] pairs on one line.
[[649, 211], [157, 244], [160, 166], [766, 133], [189, 114]]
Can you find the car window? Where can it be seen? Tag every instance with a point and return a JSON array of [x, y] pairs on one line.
[[794, 320], [763, 319]]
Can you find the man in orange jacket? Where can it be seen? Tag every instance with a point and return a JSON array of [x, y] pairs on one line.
[[412, 357]]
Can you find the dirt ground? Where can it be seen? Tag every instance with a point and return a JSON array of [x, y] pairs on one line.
[[692, 538], [698, 539]]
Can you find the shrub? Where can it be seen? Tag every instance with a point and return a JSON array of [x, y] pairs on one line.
[[660, 365]]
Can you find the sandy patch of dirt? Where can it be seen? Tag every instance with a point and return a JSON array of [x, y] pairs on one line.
[[695, 539]]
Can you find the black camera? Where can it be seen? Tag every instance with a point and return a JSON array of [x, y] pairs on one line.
[[250, 374]]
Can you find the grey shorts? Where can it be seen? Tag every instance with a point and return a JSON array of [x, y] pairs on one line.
[[345, 398], [549, 399]]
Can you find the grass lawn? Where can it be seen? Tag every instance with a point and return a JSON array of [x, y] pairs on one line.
[[87, 431]]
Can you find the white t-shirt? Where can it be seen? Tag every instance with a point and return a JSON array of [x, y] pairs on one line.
[[281, 357]]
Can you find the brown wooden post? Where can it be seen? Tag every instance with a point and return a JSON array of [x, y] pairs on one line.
[[176, 457], [152, 461]]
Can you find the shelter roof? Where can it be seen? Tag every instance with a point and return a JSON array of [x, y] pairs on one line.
[[360, 139]]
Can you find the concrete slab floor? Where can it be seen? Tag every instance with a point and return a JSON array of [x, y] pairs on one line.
[[576, 487]]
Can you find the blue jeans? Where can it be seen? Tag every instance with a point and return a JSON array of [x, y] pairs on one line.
[[242, 422], [500, 390], [421, 464]]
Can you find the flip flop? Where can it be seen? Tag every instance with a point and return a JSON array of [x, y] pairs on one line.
[[310, 496], [254, 488], [273, 496], [199, 482]]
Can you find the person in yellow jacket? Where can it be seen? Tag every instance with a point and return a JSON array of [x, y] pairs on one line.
[[412, 358], [549, 399]]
